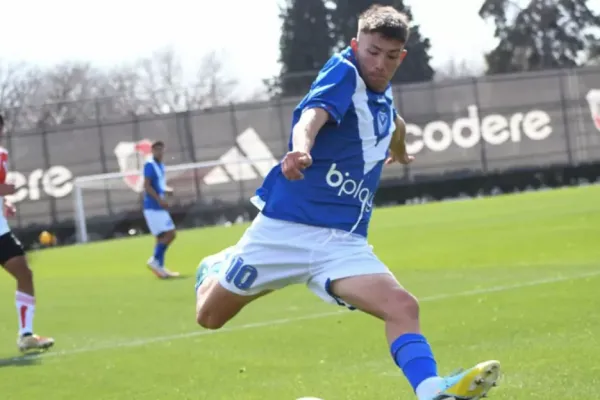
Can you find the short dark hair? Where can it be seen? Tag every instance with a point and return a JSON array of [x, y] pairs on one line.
[[1, 121], [385, 20], [158, 143]]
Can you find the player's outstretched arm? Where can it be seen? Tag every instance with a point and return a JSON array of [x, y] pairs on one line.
[[6, 189], [398, 144], [329, 98], [303, 138], [306, 129]]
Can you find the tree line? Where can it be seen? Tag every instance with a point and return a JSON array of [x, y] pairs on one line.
[[71, 92], [531, 35]]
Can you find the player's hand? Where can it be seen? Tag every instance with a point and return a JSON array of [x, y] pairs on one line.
[[402, 158], [294, 163], [163, 203], [9, 210]]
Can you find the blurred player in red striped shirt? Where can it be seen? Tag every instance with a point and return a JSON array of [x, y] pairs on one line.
[[12, 258]]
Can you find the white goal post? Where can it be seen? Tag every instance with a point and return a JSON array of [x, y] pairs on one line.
[[230, 178]]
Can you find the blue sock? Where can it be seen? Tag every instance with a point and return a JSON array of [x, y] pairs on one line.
[[413, 355], [159, 253]]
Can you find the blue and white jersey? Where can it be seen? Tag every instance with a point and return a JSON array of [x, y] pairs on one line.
[[155, 172], [348, 154]]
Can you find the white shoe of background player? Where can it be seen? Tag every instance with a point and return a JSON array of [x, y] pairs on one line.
[[160, 271], [30, 342]]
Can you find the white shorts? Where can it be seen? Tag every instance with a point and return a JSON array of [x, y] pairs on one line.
[[273, 254], [158, 221]]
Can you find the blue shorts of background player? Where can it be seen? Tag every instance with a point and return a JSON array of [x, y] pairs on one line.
[[316, 206]]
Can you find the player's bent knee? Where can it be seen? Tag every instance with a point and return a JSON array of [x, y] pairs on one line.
[[169, 237], [210, 317], [215, 305], [378, 295], [18, 267], [208, 320], [401, 305]]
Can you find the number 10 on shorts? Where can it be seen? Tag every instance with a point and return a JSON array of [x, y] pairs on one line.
[[240, 274]]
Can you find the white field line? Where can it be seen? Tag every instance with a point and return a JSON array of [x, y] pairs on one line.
[[283, 321]]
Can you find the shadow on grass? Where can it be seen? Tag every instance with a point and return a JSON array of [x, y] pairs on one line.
[[177, 278], [21, 360]]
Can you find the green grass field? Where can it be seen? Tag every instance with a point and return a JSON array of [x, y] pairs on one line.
[[513, 278]]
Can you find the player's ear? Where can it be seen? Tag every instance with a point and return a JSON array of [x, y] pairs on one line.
[[354, 45], [403, 54], [401, 58]]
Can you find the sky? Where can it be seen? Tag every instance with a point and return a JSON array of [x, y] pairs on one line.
[[120, 31]]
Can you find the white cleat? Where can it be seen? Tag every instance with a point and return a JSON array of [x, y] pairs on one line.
[[28, 343], [156, 269], [159, 271], [171, 274]]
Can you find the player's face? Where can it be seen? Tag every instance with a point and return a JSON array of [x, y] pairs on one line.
[[157, 152], [378, 58]]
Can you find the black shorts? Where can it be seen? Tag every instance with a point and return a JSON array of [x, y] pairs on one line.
[[10, 247]]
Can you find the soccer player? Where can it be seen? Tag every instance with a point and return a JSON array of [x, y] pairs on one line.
[[157, 217], [316, 207], [12, 258]]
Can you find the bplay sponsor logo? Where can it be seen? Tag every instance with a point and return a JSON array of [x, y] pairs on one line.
[[469, 131], [346, 186]]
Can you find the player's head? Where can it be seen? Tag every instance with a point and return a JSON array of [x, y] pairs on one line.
[[1, 125], [158, 148], [379, 45]]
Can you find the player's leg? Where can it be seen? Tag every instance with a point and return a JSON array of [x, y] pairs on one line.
[[14, 261], [163, 241], [363, 282], [265, 259], [216, 305], [161, 226]]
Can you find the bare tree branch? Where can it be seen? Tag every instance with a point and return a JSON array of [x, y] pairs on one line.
[[75, 92], [120, 93], [164, 87], [213, 86], [19, 83], [161, 82], [66, 94]]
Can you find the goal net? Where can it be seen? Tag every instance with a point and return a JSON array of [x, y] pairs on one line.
[[107, 204]]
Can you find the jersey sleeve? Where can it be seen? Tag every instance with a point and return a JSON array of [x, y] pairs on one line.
[[333, 88], [3, 165], [149, 172]]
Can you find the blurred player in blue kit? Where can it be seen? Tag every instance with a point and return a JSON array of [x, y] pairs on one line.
[[316, 207], [157, 217]]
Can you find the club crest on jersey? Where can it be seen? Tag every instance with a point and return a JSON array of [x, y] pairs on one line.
[[131, 157], [593, 99], [382, 128]]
